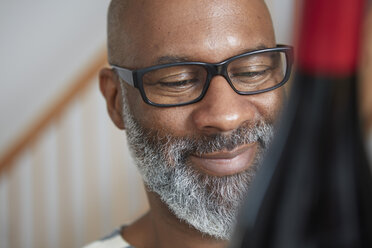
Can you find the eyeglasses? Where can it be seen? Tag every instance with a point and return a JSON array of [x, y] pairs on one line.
[[183, 83]]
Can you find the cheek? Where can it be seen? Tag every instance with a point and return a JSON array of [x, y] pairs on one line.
[[270, 104], [175, 120]]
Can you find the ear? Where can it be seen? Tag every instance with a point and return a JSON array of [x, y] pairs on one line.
[[110, 88]]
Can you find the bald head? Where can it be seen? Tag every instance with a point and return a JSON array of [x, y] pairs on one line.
[[115, 27], [136, 27]]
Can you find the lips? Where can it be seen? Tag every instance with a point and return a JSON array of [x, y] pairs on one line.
[[224, 163]]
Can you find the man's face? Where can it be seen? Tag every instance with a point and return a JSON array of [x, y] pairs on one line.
[[208, 150], [209, 32]]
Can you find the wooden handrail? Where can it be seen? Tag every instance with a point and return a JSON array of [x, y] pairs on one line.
[[54, 111]]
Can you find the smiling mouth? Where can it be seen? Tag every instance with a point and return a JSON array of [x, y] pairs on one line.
[[225, 163]]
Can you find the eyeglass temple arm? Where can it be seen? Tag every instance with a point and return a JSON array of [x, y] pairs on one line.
[[125, 74]]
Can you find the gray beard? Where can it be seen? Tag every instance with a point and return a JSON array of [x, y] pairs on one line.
[[208, 203]]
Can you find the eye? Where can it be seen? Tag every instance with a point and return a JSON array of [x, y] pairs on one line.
[[179, 84], [250, 74], [252, 78]]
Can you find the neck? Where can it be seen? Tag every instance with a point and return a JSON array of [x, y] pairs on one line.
[[159, 228]]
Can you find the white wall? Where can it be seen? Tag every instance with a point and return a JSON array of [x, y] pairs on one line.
[[43, 45], [282, 15]]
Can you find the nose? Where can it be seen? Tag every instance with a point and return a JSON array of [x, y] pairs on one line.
[[222, 109]]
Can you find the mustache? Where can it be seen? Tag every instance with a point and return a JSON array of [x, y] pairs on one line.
[[260, 132]]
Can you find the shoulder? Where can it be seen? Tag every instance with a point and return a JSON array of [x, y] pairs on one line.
[[114, 240]]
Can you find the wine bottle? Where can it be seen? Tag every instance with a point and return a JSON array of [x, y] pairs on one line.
[[315, 186]]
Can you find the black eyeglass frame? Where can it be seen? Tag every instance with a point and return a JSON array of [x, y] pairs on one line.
[[134, 77]]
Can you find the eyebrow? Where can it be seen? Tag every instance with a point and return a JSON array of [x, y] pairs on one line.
[[174, 58]]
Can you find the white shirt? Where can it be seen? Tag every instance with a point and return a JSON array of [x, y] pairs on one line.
[[115, 240]]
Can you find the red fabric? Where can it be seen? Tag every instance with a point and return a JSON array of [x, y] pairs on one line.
[[330, 36]]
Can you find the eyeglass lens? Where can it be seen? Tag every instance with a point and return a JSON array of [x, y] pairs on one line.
[[184, 83]]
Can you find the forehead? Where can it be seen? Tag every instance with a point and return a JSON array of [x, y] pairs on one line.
[[202, 30]]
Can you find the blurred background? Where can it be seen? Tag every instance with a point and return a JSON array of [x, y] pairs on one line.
[[66, 177]]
